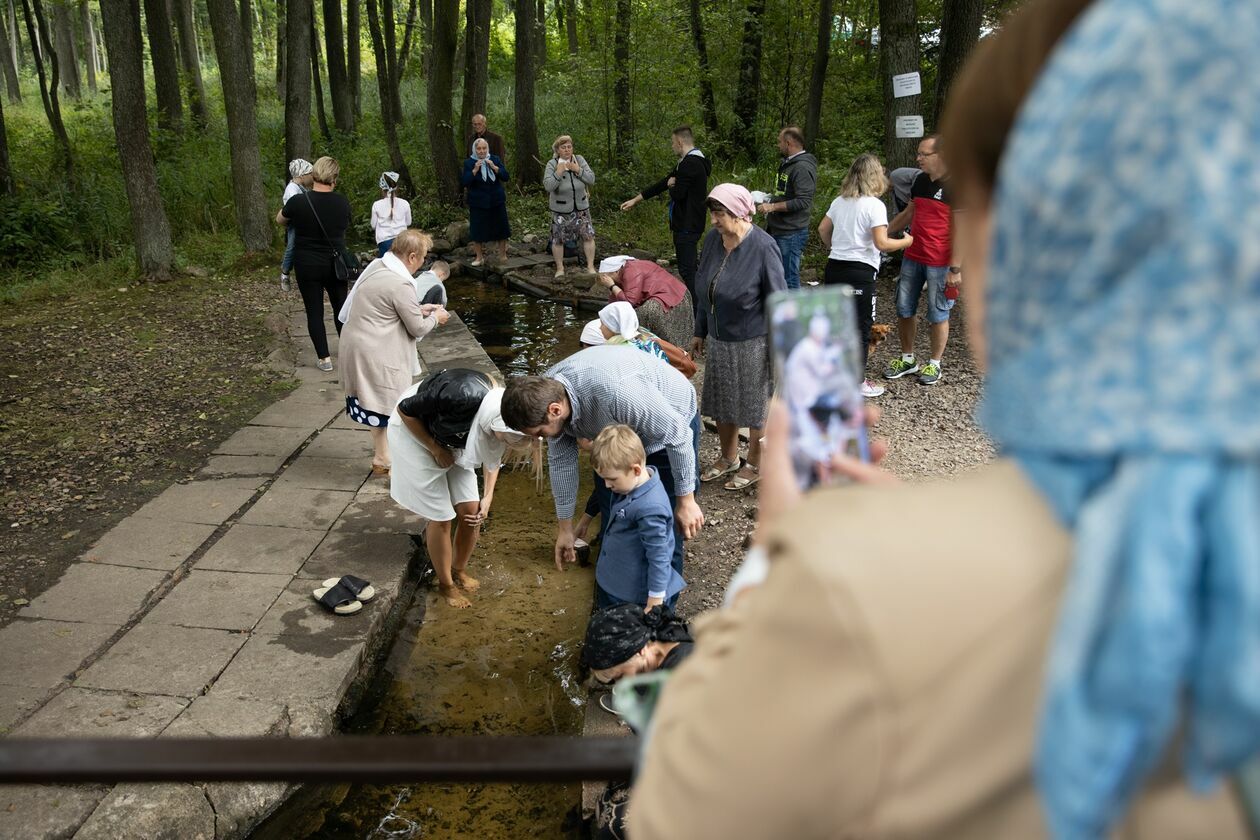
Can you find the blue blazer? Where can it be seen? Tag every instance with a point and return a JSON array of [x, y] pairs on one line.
[[484, 193], [638, 546]]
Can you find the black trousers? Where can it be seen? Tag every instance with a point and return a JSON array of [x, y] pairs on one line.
[[314, 280], [685, 246], [861, 277]]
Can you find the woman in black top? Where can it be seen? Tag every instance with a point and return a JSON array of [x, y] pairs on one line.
[[314, 251]]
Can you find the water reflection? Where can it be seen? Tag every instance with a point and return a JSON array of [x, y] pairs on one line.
[[521, 335]]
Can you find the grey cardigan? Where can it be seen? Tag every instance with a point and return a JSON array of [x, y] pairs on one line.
[[567, 192], [737, 311]]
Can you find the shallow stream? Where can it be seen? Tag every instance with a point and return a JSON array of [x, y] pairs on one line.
[[507, 665]]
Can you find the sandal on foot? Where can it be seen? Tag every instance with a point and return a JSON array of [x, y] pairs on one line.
[[719, 468], [358, 587], [338, 599], [378, 471], [739, 481]]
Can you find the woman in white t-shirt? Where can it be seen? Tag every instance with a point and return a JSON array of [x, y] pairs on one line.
[[855, 230], [391, 215]]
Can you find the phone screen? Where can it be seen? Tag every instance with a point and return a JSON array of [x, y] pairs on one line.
[[817, 363]]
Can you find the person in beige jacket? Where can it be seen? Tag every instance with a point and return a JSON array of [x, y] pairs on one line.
[[1069, 634], [378, 342]]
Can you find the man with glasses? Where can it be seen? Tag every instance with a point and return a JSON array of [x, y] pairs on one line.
[[928, 262]]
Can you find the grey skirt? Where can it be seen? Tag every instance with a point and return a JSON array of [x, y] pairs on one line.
[[736, 381]]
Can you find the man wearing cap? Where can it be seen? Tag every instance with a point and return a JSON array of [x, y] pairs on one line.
[[300, 178], [688, 184]]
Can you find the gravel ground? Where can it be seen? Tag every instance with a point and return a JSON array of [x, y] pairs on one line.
[[930, 431]]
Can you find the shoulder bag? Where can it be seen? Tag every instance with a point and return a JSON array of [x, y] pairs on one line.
[[345, 264]]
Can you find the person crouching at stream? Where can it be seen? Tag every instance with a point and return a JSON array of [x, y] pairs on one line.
[[442, 429], [600, 387], [638, 543]]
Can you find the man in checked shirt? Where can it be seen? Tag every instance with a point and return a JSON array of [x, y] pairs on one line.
[[600, 387]]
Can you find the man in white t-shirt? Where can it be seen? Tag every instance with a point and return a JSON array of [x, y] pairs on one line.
[[855, 230]]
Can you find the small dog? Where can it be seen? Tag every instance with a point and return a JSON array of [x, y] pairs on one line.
[[879, 332]]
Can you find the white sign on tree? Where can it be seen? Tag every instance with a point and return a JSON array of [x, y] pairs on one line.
[[906, 84], [910, 126]]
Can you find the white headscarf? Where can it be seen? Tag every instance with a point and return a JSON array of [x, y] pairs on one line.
[[621, 319], [591, 334], [487, 174], [609, 265]]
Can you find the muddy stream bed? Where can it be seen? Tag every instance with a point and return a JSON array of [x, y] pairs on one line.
[[507, 665]]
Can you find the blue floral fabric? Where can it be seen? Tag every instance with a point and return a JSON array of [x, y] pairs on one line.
[[1123, 318]]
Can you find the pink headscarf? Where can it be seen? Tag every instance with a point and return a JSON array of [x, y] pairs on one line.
[[736, 199]]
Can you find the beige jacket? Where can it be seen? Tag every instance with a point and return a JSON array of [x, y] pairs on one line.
[[378, 348], [884, 681]]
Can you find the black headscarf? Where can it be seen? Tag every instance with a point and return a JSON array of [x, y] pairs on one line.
[[617, 633]]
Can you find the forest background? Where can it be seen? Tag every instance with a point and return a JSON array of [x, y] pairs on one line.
[[145, 137]]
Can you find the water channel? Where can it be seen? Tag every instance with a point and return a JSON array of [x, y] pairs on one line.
[[508, 665]]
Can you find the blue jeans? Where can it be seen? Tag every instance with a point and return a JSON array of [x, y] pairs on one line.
[[659, 460], [914, 276], [382, 247], [790, 247], [286, 264]]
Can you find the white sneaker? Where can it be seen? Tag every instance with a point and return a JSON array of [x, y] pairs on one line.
[[870, 389], [284, 282]]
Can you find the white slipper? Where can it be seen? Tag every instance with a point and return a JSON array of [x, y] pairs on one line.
[[361, 588], [338, 599]]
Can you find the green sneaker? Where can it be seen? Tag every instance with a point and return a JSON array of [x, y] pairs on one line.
[[930, 374], [899, 367]]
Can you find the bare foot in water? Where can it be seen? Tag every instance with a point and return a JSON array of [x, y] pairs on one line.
[[453, 597], [466, 581]]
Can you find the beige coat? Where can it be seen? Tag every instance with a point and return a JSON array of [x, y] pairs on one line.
[[378, 346], [884, 681]]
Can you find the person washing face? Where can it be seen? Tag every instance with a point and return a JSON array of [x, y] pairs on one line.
[[638, 545]]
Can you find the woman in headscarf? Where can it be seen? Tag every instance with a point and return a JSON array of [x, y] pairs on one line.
[[391, 215], [625, 640], [443, 429], [739, 268], [660, 299], [378, 346], [1119, 531], [483, 179]]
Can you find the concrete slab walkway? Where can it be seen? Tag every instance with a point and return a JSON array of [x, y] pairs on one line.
[[193, 617]]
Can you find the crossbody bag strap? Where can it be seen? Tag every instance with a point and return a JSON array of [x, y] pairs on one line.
[[318, 221]]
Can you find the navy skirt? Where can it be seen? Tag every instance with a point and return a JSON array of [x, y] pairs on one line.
[[488, 224]]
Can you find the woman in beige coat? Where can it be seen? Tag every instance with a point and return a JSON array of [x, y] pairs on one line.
[[378, 342]]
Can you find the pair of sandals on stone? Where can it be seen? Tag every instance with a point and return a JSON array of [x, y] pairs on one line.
[[735, 469], [345, 595]]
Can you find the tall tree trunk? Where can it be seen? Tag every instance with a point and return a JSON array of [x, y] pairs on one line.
[[623, 149], [960, 29], [744, 132], [540, 32], [898, 53], [320, 114], [149, 225], [6, 173], [297, 81], [409, 38], [708, 105], [89, 43], [63, 26], [8, 62], [282, 57], [476, 61], [165, 65], [818, 79], [338, 77], [389, 24], [15, 38], [570, 25], [528, 169], [189, 54], [354, 58], [426, 39], [247, 32], [41, 51], [384, 83], [438, 100], [238, 100]]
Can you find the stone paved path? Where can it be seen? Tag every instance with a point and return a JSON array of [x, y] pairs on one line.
[[193, 617]]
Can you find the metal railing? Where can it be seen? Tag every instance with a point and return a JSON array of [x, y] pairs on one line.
[[353, 758]]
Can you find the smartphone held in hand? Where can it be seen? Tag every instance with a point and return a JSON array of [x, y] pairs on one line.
[[817, 363]]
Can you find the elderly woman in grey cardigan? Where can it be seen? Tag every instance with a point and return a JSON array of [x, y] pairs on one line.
[[739, 267], [566, 179], [378, 347]]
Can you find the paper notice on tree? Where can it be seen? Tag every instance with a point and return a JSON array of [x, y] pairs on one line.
[[910, 126], [907, 84]]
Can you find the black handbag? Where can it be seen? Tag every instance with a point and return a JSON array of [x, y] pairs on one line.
[[345, 265]]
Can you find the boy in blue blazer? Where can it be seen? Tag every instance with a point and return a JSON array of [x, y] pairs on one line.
[[634, 561]]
